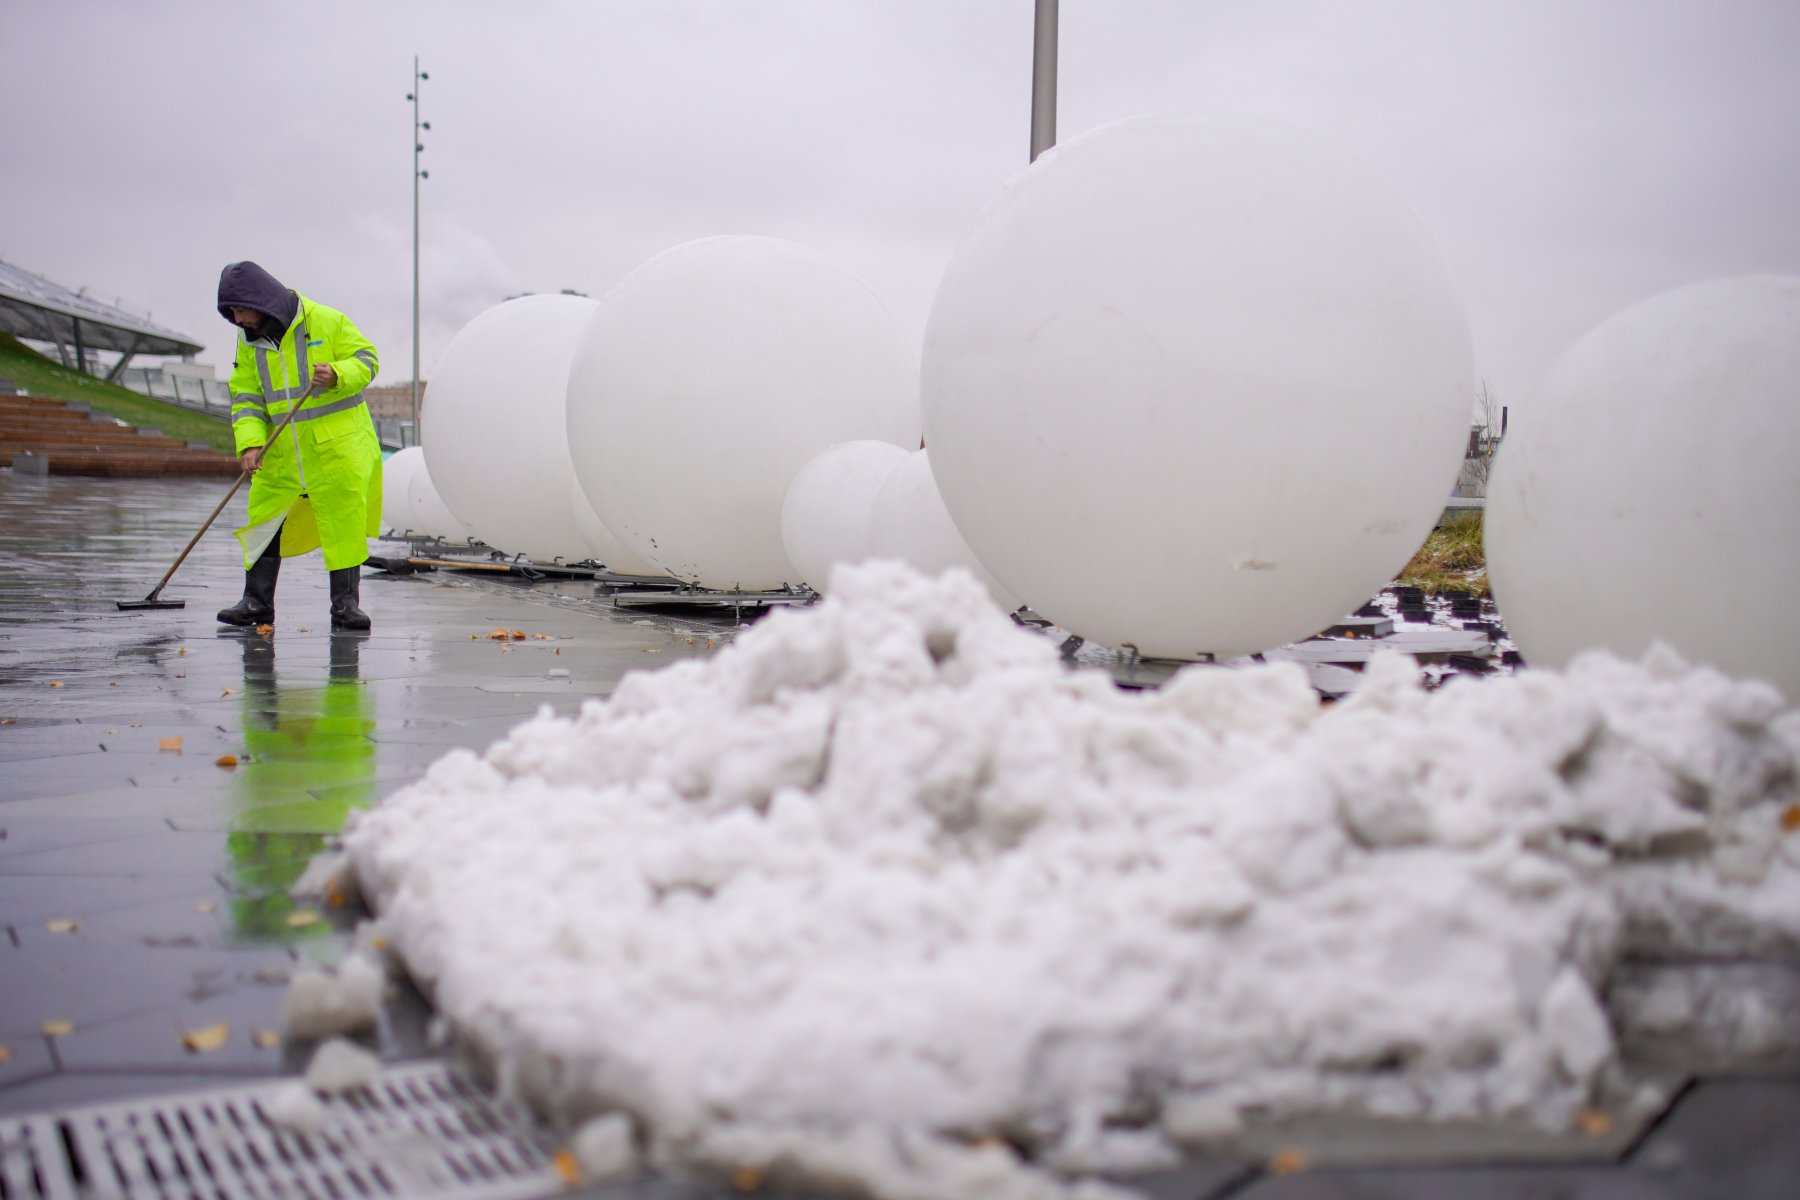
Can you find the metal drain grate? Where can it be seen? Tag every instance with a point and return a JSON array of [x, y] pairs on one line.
[[418, 1130], [32, 1163]]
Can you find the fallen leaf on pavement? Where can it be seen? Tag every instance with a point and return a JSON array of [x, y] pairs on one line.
[[5, 1053], [1790, 817], [56, 683], [212, 1037], [181, 652], [228, 692], [651, 650], [225, 760], [1594, 1123], [265, 630], [1288, 1162], [63, 924], [567, 1169], [170, 743]]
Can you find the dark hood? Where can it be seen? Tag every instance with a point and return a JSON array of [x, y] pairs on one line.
[[246, 285]]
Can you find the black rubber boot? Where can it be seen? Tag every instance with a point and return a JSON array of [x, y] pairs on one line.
[[258, 605], [345, 582]]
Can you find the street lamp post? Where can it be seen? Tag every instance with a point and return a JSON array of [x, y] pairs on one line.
[[418, 147], [1043, 79]]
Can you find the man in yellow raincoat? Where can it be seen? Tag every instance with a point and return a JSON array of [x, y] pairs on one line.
[[319, 483]]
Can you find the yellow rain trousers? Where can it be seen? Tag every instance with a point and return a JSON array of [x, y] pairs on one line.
[[320, 482]]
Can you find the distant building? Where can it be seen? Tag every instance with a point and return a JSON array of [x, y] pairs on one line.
[[391, 406]]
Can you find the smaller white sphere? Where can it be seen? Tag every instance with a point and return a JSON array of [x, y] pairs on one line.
[[494, 421], [396, 475], [1648, 493], [825, 517], [426, 512], [908, 521], [603, 547]]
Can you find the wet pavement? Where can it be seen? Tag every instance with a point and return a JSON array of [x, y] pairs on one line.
[[144, 879]]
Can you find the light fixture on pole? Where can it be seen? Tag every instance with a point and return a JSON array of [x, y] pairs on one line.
[[418, 147]]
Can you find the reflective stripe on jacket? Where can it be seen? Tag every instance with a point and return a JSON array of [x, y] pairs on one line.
[[265, 381]]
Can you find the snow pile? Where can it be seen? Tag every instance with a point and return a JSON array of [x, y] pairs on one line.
[[883, 879]]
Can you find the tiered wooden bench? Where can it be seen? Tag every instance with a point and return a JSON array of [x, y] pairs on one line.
[[73, 442]]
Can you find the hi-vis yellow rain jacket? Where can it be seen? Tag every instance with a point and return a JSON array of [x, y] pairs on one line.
[[320, 482]]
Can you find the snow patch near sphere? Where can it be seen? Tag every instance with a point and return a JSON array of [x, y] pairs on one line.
[[1648, 493], [908, 521], [494, 421], [396, 475], [602, 546], [708, 377], [825, 516], [1197, 384]]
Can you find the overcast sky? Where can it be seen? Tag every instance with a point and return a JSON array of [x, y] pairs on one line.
[[1571, 156]]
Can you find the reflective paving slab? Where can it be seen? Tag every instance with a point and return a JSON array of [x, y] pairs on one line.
[[164, 780]]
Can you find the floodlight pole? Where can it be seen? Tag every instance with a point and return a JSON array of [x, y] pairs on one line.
[[418, 147], [1043, 79]]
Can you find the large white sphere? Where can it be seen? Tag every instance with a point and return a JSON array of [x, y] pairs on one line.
[[708, 377], [494, 426], [908, 521], [603, 547], [1650, 491], [397, 471], [825, 516], [1196, 384], [426, 511]]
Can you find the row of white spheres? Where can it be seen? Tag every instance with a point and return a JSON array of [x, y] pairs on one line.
[[1195, 385], [672, 414], [1191, 384]]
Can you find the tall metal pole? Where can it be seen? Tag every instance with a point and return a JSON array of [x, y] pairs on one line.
[[418, 146], [1043, 79]]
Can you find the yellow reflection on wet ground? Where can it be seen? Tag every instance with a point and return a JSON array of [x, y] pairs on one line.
[[305, 736]]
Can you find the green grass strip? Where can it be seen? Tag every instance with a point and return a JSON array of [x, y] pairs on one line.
[[1452, 557]]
